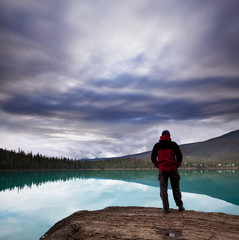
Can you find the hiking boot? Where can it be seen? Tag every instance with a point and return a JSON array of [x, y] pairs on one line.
[[166, 210], [181, 209]]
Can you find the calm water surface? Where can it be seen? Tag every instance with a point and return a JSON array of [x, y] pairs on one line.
[[31, 202]]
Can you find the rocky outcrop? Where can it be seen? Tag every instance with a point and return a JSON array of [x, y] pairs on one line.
[[135, 223]]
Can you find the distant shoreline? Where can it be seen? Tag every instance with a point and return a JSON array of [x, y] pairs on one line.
[[113, 169]]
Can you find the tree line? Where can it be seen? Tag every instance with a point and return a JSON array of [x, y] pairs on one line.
[[12, 160], [20, 160]]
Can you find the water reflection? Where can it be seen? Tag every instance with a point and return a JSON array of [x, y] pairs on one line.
[[222, 184], [28, 213]]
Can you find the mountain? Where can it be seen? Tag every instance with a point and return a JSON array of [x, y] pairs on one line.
[[225, 147], [222, 151], [222, 148]]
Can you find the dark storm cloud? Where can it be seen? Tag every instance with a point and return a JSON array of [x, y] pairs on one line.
[[43, 31], [31, 39], [37, 22], [222, 38], [196, 99], [104, 70]]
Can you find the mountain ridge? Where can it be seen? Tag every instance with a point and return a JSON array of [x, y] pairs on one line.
[[219, 148], [222, 151]]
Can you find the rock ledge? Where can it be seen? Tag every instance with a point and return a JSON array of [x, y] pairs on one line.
[[135, 223]]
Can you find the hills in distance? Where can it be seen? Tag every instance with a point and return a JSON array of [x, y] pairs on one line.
[[224, 148], [222, 151]]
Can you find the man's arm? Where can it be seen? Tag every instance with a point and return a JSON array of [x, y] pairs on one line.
[[154, 156], [179, 155]]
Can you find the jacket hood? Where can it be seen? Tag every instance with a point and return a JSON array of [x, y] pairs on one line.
[[165, 137]]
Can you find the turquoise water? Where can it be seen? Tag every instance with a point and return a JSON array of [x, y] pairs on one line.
[[31, 202]]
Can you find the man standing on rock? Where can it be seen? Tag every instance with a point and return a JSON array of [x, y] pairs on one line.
[[167, 157]]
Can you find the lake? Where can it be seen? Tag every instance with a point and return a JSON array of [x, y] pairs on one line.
[[31, 202]]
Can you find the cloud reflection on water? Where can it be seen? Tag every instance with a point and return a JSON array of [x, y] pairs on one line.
[[39, 208]]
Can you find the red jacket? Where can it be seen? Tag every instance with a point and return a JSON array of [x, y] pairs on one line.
[[166, 154]]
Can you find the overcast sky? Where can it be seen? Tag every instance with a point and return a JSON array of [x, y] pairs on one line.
[[101, 78]]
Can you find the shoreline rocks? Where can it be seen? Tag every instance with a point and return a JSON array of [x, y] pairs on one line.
[[135, 223]]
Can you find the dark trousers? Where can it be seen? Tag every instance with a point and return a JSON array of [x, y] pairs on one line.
[[174, 180]]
